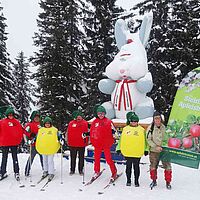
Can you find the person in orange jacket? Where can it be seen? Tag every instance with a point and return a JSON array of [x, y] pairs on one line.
[[102, 139], [76, 141], [11, 134]]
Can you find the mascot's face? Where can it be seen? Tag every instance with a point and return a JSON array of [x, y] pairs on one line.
[[129, 63]]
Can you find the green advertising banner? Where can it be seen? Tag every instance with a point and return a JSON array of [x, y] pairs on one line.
[[181, 157], [183, 127]]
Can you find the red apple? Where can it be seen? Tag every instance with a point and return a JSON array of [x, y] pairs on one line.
[[195, 130], [174, 142], [187, 142]]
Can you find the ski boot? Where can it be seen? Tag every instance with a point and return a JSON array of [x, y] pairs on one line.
[[128, 183], [45, 174], [17, 176], [168, 186], [2, 176], [50, 177], [153, 184]]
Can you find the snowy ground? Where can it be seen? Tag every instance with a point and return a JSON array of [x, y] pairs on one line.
[[186, 184]]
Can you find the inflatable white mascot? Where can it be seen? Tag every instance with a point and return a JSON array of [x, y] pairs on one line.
[[128, 77]]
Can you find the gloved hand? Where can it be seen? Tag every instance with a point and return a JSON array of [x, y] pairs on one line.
[[118, 152], [62, 142], [85, 134], [146, 153]]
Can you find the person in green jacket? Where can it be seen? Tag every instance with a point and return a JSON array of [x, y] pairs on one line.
[[132, 145]]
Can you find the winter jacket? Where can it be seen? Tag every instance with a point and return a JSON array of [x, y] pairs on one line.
[[11, 132], [47, 141], [32, 130], [156, 137], [75, 131], [101, 133], [132, 142]]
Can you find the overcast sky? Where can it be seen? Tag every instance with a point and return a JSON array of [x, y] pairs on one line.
[[21, 23]]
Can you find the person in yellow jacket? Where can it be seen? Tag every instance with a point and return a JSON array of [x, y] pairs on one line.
[[47, 144], [132, 145]]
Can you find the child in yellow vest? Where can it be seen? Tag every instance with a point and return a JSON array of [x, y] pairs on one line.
[[132, 145], [47, 144]]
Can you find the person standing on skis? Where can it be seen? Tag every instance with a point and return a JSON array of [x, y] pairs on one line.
[[47, 144], [102, 139], [76, 142], [11, 135], [32, 131], [132, 145], [156, 138]]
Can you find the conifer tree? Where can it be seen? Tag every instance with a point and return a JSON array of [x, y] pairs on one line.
[[23, 87], [173, 48], [60, 60], [100, 47], [6, 83]]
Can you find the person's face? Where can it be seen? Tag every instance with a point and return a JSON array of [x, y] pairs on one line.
[[79, 118], [157, 120], [134, 123], [47, 125], [10, 116], [36, 118], [101, 115]]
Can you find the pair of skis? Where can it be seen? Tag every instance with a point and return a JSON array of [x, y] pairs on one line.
[[39, 181], [93, 179]]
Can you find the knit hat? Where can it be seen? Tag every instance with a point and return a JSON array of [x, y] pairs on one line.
[[47, 119], [77, 113], [33, 114], [9, 110], [101, 109], [156, 114], [131, 117]]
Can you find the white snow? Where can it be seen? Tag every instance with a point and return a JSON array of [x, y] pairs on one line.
[[185, 184]]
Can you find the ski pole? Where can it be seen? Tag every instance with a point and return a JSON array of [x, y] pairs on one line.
[[83, 181], [61, 170], [30, 158]]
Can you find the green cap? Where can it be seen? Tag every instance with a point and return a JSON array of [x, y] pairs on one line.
[[9, 110], [47, 119], [101, 109], [77, 113], [131, 117], [33, 114]]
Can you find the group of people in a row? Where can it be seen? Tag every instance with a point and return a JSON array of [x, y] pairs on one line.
[[134, 142]]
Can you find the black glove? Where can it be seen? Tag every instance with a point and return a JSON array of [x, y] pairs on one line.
[[146, 153], [85, 134], [118, 152]]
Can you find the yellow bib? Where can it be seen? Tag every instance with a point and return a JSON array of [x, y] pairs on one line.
[[132, 142], [47, 141]]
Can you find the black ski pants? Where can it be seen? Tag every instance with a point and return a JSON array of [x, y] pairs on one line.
[[73, 154], [135, 162], [5, 151], [33, 153]]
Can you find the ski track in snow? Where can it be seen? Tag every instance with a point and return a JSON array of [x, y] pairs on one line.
[[185, 183]]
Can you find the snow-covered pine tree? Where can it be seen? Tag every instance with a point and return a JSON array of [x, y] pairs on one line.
[[173, 48], [6, 78], [100, 47], [23, 87], [60, 59]]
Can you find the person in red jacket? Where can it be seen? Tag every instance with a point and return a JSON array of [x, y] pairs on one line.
[[32, 131], [11, 134], [102, 139], [76, 142]]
